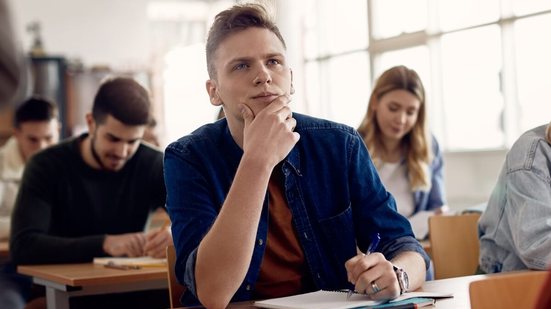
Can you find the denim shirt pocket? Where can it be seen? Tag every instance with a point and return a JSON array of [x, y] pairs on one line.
[[338, 230]]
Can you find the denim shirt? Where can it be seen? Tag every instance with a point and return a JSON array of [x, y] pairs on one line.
[[434, 196], [514, 230], [331, 187]]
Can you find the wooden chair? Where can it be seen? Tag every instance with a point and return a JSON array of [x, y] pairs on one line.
[[508, 290], [544, 297], [454, 245], [175, 289]]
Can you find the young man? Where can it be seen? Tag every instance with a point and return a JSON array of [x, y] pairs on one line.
[[91, 196], [268, 203], [515, 227], [35, 127]]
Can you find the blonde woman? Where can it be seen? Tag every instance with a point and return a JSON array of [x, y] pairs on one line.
[[407, 157]]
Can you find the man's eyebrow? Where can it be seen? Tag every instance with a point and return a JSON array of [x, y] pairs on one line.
[[247, 59], [116, 138]]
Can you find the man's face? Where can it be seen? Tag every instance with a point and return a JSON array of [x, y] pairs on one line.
[[251, 69], [113, 142], [33, 136]]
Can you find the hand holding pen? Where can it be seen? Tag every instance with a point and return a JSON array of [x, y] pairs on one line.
[[375, 239]]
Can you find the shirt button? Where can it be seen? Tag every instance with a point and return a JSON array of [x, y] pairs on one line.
[[248, 287], [260, 242]]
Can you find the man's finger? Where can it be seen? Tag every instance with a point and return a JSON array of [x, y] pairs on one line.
[[247, 114]]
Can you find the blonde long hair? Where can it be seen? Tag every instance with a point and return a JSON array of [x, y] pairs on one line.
[[417, 143]]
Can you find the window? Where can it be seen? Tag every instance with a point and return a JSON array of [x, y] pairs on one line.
[[337, 79], [483, 63]]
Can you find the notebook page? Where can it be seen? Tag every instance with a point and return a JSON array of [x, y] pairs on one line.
[[318, 300]]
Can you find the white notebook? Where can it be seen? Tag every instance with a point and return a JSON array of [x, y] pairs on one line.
[[144, 261], [335, 300]]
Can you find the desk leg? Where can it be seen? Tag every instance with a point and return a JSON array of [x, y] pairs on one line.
[[56, 299]]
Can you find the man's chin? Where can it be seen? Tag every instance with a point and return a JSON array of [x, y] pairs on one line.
[[114, 167]]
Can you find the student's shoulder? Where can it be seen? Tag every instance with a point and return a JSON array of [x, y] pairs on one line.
[[204, 137], [312, 125], [62, 151], [529, 145]]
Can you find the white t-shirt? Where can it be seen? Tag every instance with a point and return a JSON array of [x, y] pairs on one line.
[[394, 178]]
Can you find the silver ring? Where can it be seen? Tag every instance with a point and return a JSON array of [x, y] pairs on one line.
[[375, 287]]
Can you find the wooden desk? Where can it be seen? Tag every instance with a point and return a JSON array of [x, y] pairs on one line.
[[66, 280], [459, 286]]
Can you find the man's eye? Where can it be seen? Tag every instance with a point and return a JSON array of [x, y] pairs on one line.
[[240, 66], [273, 61]]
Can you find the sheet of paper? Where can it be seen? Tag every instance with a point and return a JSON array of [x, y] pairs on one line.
[[337, 300], [137, 261], [318, 300]]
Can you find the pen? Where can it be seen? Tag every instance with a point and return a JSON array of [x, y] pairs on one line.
[[111, 264], [375, 239]]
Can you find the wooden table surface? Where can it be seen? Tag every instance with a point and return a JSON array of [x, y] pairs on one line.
[[89, 274], [68, 280]]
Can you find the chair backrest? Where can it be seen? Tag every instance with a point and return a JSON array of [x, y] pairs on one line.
[[454, 245], [544, 297], [508, 290], [175, 289]]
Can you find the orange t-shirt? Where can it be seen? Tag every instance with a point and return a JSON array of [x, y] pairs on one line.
[[283, 270]]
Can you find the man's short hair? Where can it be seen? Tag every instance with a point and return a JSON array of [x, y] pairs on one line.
[[35, 109], [124, 99], [236, 19]]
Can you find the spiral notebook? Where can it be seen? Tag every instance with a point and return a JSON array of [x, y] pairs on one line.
[[338, 300]]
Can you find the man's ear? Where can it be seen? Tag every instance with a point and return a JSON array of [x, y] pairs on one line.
[[292, 91], [90, 122], [212, 90]]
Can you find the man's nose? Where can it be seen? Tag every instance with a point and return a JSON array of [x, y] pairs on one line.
[[263, 76], [122, 150]]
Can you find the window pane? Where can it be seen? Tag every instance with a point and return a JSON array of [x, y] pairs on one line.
[[393, 17], [329, 21], [416, 58], [533, 67], [313, 88], [311, 32], [471, 88], [350, 88], [521, 7], [342, 17], [455, 14]]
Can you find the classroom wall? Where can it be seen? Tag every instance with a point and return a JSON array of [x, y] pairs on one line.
[[91, 30], [471, 176]]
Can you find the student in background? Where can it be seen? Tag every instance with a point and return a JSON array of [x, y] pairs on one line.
[[267, 202], [151, 134], [407, 157], [35, 127], [90, 196], [515, 227]]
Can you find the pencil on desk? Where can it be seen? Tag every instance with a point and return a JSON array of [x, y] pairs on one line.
[[120, 266]]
